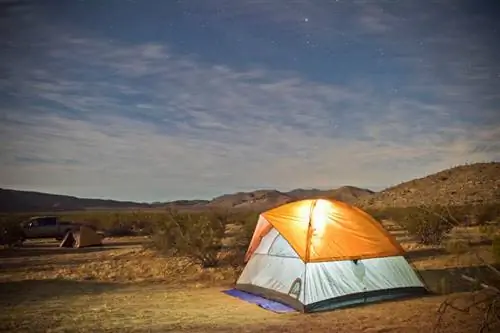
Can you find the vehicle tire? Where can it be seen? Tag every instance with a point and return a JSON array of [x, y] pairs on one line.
[[21, 241]]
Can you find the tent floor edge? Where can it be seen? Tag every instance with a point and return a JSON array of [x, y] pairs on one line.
[[367, 298], [272, 295]]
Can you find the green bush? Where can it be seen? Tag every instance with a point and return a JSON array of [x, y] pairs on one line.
[[197, 236]]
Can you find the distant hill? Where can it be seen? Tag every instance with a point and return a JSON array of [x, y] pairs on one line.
[[28, 201], [185, 203], [347, 194], [466, 184], [256, 200], [265, 199]]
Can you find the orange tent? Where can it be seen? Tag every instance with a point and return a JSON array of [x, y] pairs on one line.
[[320, 254], [326, 230]]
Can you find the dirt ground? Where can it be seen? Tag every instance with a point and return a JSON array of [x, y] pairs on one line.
[[121, 287]]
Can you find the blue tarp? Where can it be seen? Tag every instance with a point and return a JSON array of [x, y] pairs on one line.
[[260, 301]]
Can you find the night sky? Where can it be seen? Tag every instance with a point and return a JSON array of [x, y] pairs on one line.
[[162, 100]]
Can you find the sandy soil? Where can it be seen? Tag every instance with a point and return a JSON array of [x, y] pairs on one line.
[[121, 287]]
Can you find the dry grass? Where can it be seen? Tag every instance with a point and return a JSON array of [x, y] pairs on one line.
[[119, 260], [63, 306], [122, 287]]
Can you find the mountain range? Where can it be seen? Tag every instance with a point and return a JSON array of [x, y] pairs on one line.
[[474, 183], [27, 201]]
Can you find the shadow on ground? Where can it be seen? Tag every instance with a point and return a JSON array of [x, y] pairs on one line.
[[418, 254], [50, 249], [425, 253], [451, 280], [129, 243], [41, 265], [16, 292]]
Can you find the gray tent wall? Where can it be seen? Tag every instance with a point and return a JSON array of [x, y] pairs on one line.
[[276, 272]]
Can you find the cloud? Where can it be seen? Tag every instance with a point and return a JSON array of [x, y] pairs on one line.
[[141, 121], [374, 19]]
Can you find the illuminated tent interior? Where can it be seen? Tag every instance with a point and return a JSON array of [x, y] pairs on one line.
[[316, 255]]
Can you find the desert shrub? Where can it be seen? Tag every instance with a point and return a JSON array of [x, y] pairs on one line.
[[432, 223], [461, 214], [465, 214], [379, 214], [489, 230], [128, 224], [116, 224], [197, 236], [487, 213], [393, 213], [11, 233], [457, 246], [120, 231], [475, 214], [100, 220], [247, 231], [495, 249], [428, 225], [248, 222]]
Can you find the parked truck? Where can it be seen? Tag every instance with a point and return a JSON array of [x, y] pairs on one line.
[[47, 227]]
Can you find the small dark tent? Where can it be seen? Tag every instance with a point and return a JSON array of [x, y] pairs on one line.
[[83, 237]]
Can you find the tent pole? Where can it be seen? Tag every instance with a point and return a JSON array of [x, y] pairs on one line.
[[308, 245]]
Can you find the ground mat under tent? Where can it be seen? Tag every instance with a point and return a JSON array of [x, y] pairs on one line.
[[260, 301]]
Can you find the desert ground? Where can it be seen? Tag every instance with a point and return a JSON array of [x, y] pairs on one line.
[[125, 287]]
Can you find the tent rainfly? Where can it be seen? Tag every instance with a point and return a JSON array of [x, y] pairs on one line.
[[83, 237], [320, 254]]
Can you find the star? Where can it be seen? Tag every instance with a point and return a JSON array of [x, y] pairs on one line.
[[306, 19]]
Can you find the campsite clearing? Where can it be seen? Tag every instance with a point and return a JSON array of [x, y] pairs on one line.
[[121, 287], [79, 306]]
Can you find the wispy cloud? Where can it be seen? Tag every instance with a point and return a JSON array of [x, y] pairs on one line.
[[141, 121]]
